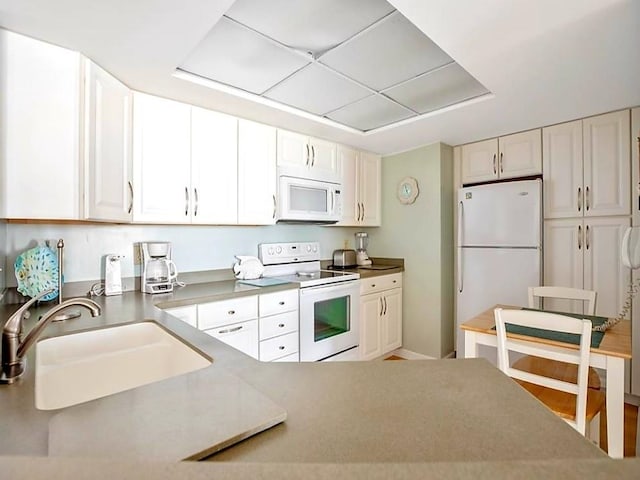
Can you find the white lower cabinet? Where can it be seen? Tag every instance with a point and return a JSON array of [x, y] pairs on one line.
[[233, 321], [380, 315], [188, 314], [262, 326], [279, 338]]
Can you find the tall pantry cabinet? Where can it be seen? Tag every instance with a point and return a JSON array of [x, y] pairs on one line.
[[586, 165]]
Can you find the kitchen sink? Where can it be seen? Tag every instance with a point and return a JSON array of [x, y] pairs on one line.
[[79, 367]]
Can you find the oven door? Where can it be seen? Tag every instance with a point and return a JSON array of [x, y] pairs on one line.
[[328, 320]]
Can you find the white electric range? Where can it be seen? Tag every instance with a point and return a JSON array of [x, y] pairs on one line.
[[329, 300]]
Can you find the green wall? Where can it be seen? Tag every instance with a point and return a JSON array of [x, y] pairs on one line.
[[421, 233]]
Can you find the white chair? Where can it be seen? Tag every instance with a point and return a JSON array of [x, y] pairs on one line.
[[550, 368], [578, 405]]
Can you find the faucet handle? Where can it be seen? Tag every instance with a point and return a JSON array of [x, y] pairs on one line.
[[14, 324]]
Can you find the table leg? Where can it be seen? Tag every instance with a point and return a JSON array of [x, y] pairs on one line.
[[615, 406], [470, 344]]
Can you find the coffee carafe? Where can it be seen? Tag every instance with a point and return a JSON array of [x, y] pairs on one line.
[[159, 273], [362, 241]]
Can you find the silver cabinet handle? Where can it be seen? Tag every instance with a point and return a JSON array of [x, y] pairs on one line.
[[280, 303], [229, 330], [501, 163], [363, 214], [358, 217], [579, 237], [381, 306], [186, 201], [385, 305], [495, 171], [588, 199], [587, 238], [281, 325], [281, 347], [231, 312], [308, 158], [313, 155], [130, 197], [579, 199], [195, 208], [274, 206]]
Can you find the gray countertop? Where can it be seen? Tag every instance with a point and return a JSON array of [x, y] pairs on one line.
[[369, 412]]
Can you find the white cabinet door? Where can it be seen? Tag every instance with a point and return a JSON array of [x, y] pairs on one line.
[[562, 177], [256, 173], [520, 154], [603, 269], [369, 179], [241, 336], [293, 150], [324, 162], [563, 259], [348, 166], [214, 164], [162, 160], [371, 307], [480, 161], [40, 123], [607, 169], [108, 169], [392, 320]]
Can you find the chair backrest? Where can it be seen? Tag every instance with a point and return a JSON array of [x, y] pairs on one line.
[[567, 293], [558, 323]]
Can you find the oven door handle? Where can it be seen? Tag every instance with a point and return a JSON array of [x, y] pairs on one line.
[[348, 286]]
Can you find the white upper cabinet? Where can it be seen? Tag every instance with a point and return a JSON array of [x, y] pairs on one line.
[[607, 169], [214, 165], [361, 179], [511, 156], [306, 157], [162, 159], [108, 169], [40, 87], [256, 173], [587, 167]]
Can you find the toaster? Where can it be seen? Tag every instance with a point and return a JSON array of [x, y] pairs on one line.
[[344, 258]]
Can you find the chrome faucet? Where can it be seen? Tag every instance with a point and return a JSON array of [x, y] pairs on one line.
[[14, 349]]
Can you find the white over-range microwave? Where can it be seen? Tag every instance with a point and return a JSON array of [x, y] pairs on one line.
[[302, 200]]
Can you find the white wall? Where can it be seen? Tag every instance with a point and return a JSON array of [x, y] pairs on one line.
[[195, 248]]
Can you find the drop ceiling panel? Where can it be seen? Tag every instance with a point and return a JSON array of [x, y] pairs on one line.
[[309, 25], [371, 112], [233, 55], [389, 53], [441, 88], [317, 90]]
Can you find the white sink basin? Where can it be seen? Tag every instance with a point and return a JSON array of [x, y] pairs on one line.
[[84, 366]]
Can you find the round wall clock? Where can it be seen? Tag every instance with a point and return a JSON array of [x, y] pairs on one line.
[[408, 190]]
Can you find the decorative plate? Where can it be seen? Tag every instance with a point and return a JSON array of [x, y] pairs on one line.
[[408, 190], [37, 270]]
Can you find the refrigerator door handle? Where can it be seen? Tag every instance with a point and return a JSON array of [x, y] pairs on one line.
[[460, 223]]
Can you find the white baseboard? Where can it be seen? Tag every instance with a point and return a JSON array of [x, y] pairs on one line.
[[409, 355]]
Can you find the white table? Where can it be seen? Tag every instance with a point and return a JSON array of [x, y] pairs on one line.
[[610, 356]]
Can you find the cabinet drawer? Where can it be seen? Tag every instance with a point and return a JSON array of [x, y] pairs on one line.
[[278, 302], [278, 325], [278, 347], [378, 284], [294, 357], [241, 336], [225, 312]]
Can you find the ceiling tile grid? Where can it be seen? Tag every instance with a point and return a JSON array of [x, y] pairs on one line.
[[359, 63]]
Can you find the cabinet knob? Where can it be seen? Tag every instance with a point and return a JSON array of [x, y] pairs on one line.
[[373, 285], [232, 312], [281, 325], [395, 281], [280, 303], [281, 347]]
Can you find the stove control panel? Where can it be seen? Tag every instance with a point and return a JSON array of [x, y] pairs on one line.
[[275, 253]]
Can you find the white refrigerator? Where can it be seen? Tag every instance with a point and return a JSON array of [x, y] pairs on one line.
[[499, 248]]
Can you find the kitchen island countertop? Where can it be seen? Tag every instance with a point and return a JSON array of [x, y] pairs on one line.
[[413, 411]]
